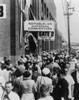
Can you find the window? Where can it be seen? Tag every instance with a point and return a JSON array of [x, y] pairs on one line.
[[42, 1], [42, 4], [44, 8], [42, 18], [50, 16], [47, 12]]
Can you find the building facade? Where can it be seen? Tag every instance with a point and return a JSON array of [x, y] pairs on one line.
[[12, 32], [46, 10]]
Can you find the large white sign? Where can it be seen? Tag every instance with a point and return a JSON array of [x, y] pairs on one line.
[[2, 11], [39, 25], [46, 35]]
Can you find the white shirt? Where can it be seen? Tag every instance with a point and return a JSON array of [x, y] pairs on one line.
[[75, 60], [72, 66], [1, 92], [44, 80], [6, 74], [1, 72], [28, 86], [77, 75], [71, 82], [13, 96], [2, 81]]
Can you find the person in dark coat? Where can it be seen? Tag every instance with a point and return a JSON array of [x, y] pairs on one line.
[[75, 76], [61, 88]]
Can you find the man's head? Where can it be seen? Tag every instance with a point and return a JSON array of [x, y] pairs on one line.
[[9, 86], [68, 65]]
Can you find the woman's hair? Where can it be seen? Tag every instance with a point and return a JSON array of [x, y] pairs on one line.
[[44, 89]]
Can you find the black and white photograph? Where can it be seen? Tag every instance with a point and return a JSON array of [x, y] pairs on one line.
[[39, 49]]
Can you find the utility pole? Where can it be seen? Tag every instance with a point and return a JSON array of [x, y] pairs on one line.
[[68, 24]]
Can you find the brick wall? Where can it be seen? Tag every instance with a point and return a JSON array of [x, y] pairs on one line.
[[9, 31], [5, 31]]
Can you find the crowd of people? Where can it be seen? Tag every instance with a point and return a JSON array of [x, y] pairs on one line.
[[46, 76]]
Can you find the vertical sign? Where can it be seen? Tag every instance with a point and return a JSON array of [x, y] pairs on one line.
[[2, 11]]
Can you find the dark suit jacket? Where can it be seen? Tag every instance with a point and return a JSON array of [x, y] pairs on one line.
[[76, 85], [61, 90]]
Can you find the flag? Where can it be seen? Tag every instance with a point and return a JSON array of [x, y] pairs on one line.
[[21, 6], [25, 10], [26, 42], [34, 39], [21, 25], [32, 13], [28, 3]]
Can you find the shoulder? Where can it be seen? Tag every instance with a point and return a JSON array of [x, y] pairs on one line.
[[63, 82], [48, 79], [31, 81], [50, 98], [47, 98], [39, 78], [14, 96]]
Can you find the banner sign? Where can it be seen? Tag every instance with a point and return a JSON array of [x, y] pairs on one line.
[[46, 35], [2, 11], [39, 25]]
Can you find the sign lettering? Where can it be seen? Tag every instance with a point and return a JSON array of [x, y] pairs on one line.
[[2, 11]]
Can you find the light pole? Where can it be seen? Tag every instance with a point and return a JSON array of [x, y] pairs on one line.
[[68, 24]]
